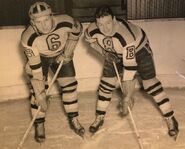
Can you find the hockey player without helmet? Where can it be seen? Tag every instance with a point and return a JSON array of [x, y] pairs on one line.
[[39, 9]]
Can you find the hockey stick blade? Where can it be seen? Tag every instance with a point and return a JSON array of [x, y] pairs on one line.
[[180, 74], [83, 136], [176, 137], [39, 108], [130, 113], [98, 132]]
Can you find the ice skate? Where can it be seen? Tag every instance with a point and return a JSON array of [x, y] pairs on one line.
[[39, 132], [95, 126], [173, 129], [76, 126]]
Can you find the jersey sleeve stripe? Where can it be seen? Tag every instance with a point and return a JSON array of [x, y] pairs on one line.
[[142, 39], [76, 34], [32, 38], [34, 67], [95, 31], [121, 39], [64, 24]]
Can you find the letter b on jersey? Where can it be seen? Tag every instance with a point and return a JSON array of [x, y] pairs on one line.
[[130, 52]]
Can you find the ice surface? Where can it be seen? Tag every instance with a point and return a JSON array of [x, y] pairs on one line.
[[116, 133]]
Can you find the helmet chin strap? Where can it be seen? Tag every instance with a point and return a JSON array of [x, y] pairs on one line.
[[34, 27]]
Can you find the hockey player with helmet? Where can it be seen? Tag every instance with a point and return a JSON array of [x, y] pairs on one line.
[[127, 45], [47, 41]]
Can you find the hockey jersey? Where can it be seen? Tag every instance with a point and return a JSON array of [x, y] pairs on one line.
[[126, 40], [51, 44]]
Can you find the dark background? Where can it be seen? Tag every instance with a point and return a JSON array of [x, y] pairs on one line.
[[15, 12]]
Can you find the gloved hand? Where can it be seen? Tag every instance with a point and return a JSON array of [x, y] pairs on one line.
[[40, 94], [128, 100], [41, 101], [64, 58], [124, 104], [128, 87], [111, 57]]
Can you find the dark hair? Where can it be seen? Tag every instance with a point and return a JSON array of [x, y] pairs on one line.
[[102, 11]]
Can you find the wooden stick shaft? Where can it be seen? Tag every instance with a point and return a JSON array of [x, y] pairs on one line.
[[130, 113], [39, 108]]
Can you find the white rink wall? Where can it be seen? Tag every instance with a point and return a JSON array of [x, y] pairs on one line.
[[167, 39]]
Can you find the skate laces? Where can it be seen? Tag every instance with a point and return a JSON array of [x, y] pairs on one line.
[[170, 123], [76, 123], [98, 119], [40, 127], [39, 132]]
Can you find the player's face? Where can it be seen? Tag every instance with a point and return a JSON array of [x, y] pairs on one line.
[[105, 24], [44, 24]]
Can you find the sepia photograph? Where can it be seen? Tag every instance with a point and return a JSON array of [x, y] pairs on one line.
[[92, 74]]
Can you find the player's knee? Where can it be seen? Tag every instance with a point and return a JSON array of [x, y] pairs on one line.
[[109, 71], [148, 75], [128, 87], [68, 83], [146, 67]]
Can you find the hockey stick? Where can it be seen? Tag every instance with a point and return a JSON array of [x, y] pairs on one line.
[[130, 113], [39, 108], [180, 75]]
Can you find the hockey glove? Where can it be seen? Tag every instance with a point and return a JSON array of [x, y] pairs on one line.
[[40, 94], [68, 53], [95, 45], [62, 57], [111, 57], [128, 100], [128, 87]]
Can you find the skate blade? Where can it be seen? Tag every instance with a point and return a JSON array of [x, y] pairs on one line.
[[84, 138], [97, 133], [82, 135], [40, 139], [176, 137]]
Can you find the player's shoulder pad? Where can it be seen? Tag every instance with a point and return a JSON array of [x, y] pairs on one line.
[[64, 21], [28, 36], [135, 30], [126, 23], [92, 30]]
